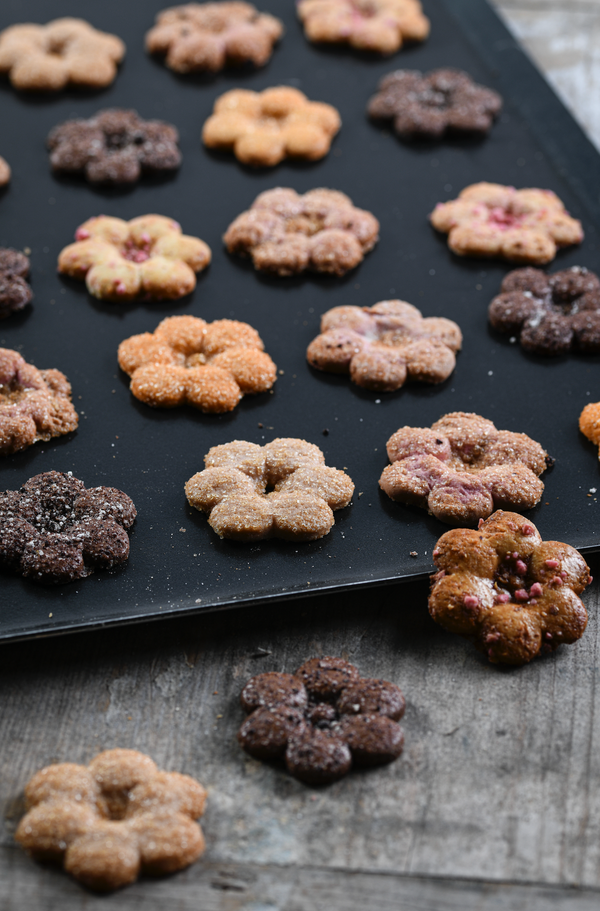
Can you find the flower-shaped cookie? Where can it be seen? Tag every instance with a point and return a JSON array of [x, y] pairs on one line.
[[589, 423], [522, 226], [4, 172], [381, 346], [146, 258], [322, 720], [463, 468], [550, 314], [281, 490], [369, 25], [34, 404], [46, 58], [113, 819], [114, 147], [287, 233], [263, 128], [200, 37], [187, 361], [430, 105], [54, 530], [15, 292], [507, 591]]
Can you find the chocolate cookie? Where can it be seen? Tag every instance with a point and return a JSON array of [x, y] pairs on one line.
[[15, 292], [322, 720], [550, 314]]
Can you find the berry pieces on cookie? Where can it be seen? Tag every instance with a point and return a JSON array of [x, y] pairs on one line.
[[47, 58], [281, 490], [113, 819], [263, 128], [462, 468], [381, 346], [521, 226], [4, 172], [54, 530], [322, 720], [34, 404], [287, 233], [511, 594], [206, 37], [114, 147], [431, 105], [147, 258], [188, 361], [382, 26], [15, 292], [550, 314]]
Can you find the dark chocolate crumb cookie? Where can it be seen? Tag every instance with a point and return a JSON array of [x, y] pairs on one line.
[[114, 147], [15, 292], [322, 720], [550, 314], [431, 105], [54, 530]]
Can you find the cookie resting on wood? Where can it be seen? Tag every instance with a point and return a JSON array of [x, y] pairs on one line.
[[15, 292], [462, 468], [322, 720], [47, 58], [147, 258], [114, 146], [381, 346], [281, 490], [187, 361], [507, 591], [55, 530], [287, 233], [431, 105], [4, 172], [550, 314], [382, 26], [113, 819], [263, 128], [206, 37], [34, 404], [589, 423], [521, 226]]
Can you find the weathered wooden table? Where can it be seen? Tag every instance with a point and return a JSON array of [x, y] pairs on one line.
[[494, 805]]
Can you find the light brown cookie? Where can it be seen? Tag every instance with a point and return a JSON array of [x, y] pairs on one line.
[[281, 490], [381, 346], [382, 26], [521, 226], [146, 258], [263, 128], [187, 361], [47, 58], [4, 172], [589, 423]]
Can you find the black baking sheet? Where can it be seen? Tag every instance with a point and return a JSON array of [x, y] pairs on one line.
[[177, 563]]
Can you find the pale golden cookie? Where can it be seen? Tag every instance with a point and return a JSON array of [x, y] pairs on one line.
[[4, 172], [368, 25]]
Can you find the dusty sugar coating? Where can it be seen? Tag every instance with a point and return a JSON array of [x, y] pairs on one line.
[[431, 105], [462, 468], [281, 490], [114, 146], [322, 720], [147, 258], [54, 530], [550, 314], [113, 819], [589, 423], [287, 233], [187, 361], [382, 346], [206, 37], [263, 128], [382, 26], [47, 58], [4, 172], [34, 404], [507, 591], [521, 226], [15, 292]]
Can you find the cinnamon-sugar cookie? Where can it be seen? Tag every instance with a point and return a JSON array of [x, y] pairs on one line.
[[15, 292], [187, 361]]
